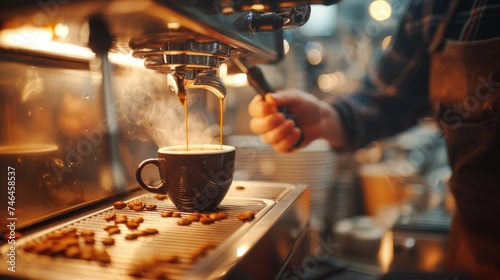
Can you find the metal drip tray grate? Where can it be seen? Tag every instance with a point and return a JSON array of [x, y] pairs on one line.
[[125, 255]]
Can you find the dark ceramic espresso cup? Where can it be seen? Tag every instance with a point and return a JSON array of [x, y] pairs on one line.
[[194, 180]]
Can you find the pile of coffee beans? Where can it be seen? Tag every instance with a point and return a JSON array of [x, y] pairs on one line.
[[131, 223], [69, 243], [203, 218]]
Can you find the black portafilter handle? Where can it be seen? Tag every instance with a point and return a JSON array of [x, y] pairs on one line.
[[258, 81]]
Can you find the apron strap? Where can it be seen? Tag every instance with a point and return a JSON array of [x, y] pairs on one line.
[[437, 39]]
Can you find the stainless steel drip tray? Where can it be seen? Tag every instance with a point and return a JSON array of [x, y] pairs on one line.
[[224, 243]]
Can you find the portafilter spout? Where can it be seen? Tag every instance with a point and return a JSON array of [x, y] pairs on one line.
[[208, 82], [178, 84]]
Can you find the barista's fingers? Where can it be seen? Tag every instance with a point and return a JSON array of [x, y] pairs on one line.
[[279, 133], [259, 108], [287, 144], [266, 123]]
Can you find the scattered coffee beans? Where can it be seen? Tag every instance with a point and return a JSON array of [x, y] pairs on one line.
[[119, 205], [108, 241], [151, 207], [161, 196], [246, 216], [166, 214], [110, 216], [184, 222]]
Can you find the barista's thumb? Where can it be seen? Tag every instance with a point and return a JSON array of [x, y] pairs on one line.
[[278, 98]]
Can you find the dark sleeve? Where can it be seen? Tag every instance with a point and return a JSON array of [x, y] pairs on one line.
[[393, 96]]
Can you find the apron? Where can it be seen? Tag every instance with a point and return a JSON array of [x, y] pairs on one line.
[[465, 96]]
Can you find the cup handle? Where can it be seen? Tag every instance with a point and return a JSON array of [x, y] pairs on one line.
[[160, 188]]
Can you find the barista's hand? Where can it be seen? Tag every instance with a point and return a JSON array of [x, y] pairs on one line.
[[314, 119]]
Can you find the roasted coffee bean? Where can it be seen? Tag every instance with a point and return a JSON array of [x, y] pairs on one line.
[[69, 241], [108, 241], [169, 259], [151, 207], [120, 219], [43, 248], [101, 256], [138, 220], [166, 214], [57, 248], [222, 215], [193, 218], [140, 233], [206, 221], [198, 254], [151, 231], [161, 196], [184, 222], [246, 216], [70, 232], [89, 240], [130, 205], [55, 235], [110, 216], [119, 205], [72, 252], [197, 214], [86, 253], [131, 236], [131, 224], [106, 228], [176, 215], [138, 207], [240, 187], [113, 230], [214, 217], [86, 232], [208, 246], [30, 246]]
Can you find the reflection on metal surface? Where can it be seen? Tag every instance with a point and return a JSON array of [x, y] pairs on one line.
[[386, 252]]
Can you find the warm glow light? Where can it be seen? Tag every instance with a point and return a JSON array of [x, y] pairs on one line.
[[286, 46], [222, 70], [314, 57], [386, 252], [24, 35], [433, 257], [386, 41], [326, 82], [40, 40], [173, 25], [380, 10], [122, 59], [235, 80], [314, 53], [61, 30], [340, 77], [258, 7], [241, 250]]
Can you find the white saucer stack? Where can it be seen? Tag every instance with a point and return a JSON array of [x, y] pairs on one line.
[[313, 166]]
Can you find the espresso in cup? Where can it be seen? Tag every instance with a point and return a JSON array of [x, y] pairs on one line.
[[196, 179]]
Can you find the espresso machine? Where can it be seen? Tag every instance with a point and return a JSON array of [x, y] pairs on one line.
[[69, 150]]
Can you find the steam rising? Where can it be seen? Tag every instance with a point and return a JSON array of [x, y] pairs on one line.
[[144, 101]]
